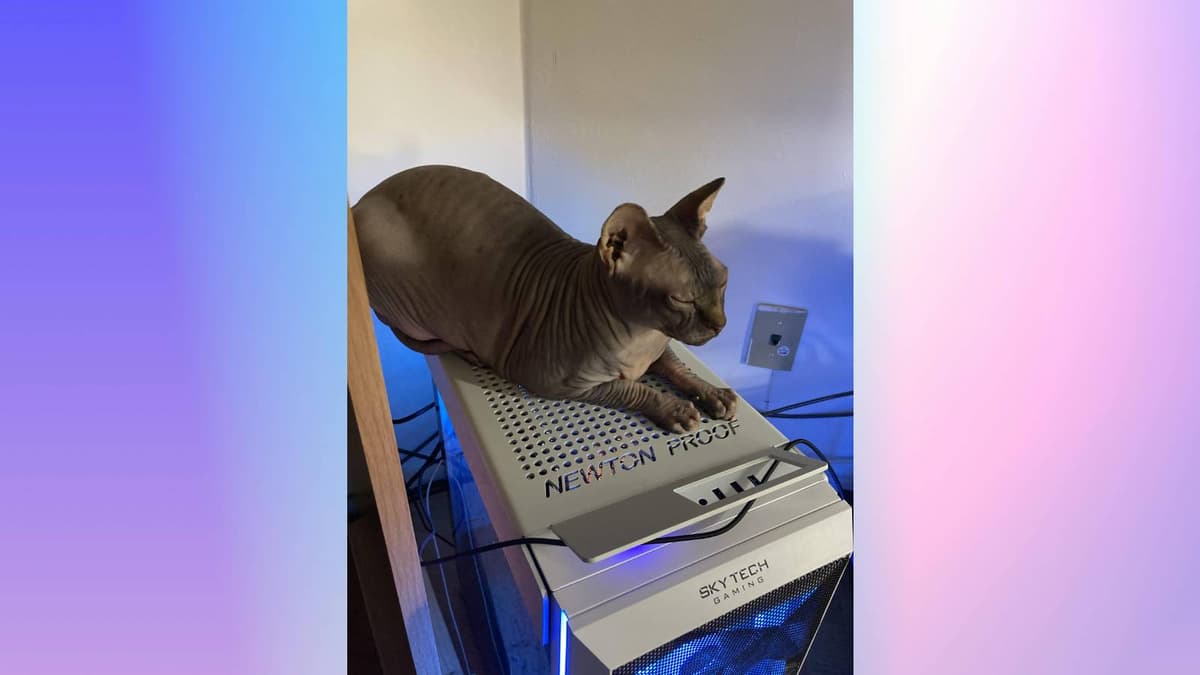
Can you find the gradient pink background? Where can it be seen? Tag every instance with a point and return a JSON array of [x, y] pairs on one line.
[[1027, 319], [172, 308]]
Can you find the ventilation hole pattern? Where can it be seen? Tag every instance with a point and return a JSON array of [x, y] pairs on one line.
[[770, 634], [549, 436]]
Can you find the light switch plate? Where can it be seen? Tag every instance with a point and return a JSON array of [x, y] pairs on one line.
[[774, 336]]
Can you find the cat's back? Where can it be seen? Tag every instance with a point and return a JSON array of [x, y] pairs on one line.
[[443, 248], [440, 204]]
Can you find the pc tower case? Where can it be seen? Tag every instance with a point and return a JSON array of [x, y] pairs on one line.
[[607, 483]]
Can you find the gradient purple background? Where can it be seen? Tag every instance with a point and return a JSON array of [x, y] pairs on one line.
[[172, 310], [172, 262]]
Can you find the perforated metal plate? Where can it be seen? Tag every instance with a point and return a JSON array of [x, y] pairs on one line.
[[549, 436], [554, 460]]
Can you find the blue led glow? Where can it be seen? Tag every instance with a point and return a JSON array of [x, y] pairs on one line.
[[760, 638], [562, 643]]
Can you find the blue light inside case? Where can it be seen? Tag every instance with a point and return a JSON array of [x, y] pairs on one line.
[[562, 642]]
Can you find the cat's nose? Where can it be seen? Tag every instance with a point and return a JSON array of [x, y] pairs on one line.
[[715, 323]]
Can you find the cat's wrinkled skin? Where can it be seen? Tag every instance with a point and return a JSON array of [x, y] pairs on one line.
[[455, 261]]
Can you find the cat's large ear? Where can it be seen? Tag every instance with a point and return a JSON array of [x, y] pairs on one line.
[[691, 211], [628, 235]]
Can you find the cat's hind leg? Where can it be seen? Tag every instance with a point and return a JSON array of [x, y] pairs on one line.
[[430, 347], [720, 403], [669, 412], [434, 347], [470, 358]]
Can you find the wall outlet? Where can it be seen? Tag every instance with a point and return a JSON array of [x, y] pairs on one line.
[[774, 336]]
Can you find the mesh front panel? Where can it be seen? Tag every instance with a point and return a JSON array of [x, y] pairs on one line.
[[767, 636]]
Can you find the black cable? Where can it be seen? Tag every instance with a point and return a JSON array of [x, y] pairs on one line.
[[808, 402], [832, 474], [433, 458], [660, 540], [811, 416], [429, 460], [493, 546], [779, 413], [670, 539], [416, 452], [409, 454], [412, 416], [425, 522]]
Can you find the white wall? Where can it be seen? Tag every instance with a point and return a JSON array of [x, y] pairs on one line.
[[431, 83], [636, 101], [644, 101]]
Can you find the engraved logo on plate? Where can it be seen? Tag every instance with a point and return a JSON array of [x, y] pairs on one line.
[[597, 471]]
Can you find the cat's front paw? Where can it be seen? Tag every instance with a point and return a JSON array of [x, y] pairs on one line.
[[676, 415], [720, 404]]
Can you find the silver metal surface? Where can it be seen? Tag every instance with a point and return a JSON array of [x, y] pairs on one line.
[[557, 460], [670, 507], [648, 595], [605, 481], [636, 622]]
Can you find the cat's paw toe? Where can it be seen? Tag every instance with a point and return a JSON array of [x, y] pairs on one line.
[[679, 417], [720, 404]]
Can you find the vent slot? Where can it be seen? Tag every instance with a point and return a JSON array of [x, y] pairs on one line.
[[728, 483]]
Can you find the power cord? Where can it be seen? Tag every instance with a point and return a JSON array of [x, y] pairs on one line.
[[521, 541], [811, 416], [669, 539], [414, 415], [778, 412], [837, 484], [416, 452], [781, 413]]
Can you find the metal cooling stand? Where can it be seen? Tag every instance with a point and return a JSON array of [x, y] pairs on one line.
[[606, 483]]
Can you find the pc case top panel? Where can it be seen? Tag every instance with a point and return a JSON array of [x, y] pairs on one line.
[[555, 460], [580, 586], [669, 508]]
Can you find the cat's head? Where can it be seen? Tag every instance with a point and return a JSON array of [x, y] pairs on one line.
[[666, 273]]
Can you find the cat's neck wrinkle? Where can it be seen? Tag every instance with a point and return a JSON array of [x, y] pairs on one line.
[[544, 288], [566, 305], [596, 292]]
